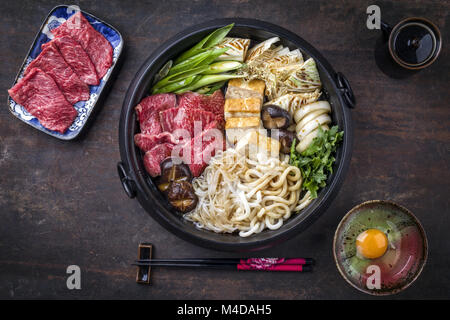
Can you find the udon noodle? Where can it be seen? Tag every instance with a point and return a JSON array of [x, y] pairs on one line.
[[237, 193]]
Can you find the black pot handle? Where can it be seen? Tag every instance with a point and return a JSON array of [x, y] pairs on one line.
[[127, 183], [346, 90]]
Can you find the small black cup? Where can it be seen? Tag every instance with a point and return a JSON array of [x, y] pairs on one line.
[[414, 43]]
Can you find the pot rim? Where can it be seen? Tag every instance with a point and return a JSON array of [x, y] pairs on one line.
[[138, 177]]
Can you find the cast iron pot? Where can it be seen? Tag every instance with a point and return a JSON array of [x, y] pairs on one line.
[[137, 183]]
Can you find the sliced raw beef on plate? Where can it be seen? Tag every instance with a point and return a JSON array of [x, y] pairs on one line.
[[155, 156], [201, 148], [148, 109], [75, 56], [146, 142], [38, 93], [51, 62], [213, 103], [186, 119], [95, 44]]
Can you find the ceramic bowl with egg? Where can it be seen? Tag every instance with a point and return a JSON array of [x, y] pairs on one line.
[[380, 247]]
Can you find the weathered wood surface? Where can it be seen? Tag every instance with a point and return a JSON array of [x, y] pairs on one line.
[[61, 203]]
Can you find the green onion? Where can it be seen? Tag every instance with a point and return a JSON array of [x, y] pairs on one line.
[[189, 63], [209, 41], [208, 79], [222, 66], [180, 76], [177, 85], [214, 55], [211, 89], [196, 68], [200, 59], [163, 71]]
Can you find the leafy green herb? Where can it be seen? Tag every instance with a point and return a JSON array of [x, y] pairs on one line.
[[316, 162]]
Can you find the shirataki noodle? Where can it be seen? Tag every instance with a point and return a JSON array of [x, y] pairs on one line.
[[237, 193]]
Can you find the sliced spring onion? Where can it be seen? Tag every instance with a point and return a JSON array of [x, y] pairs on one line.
[[216, 53], [211, 89], [209, 79], [163, 71], [189, 63], [209, 41], [223, 66], [200, 59], [177, 85], [180, 76]]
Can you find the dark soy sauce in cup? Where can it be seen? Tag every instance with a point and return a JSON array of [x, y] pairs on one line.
[[414, 43]]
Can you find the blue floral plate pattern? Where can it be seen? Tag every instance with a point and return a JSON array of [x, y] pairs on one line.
[[56, 17]]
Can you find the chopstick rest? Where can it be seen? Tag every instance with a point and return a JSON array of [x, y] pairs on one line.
[[143, 272]]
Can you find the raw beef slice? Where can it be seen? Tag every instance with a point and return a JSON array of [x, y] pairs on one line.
[[95, 44], [213, 103], [146, 142], [198, 152], [185, 119], [155, 156], [38, 93], [51, 62], [148, 109], [75, 56]]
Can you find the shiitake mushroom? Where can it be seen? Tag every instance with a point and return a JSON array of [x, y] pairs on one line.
[[181, 196], [172, 169], [275, 117], [175, 183], [285, 137]]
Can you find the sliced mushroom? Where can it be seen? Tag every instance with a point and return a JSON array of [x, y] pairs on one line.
[[274, 117], [172, 169], [181, 196], [285, 138]]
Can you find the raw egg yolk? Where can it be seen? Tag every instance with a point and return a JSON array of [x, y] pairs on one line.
[[371, 244]]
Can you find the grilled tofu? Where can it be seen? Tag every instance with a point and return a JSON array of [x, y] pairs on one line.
[[244, 98], [237, 127], [242, 107], [257, 86]]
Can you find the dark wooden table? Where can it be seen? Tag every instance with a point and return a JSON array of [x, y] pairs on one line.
[[61, 203]]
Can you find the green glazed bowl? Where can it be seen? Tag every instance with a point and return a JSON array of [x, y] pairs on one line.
[[404, 259]]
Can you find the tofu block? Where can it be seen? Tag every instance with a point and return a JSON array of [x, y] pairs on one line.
[[253, 85], [242, 107], [242, 123], [258, 146], [238, 127]]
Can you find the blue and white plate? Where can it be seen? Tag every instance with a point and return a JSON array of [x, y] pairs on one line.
[[56, 17]]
